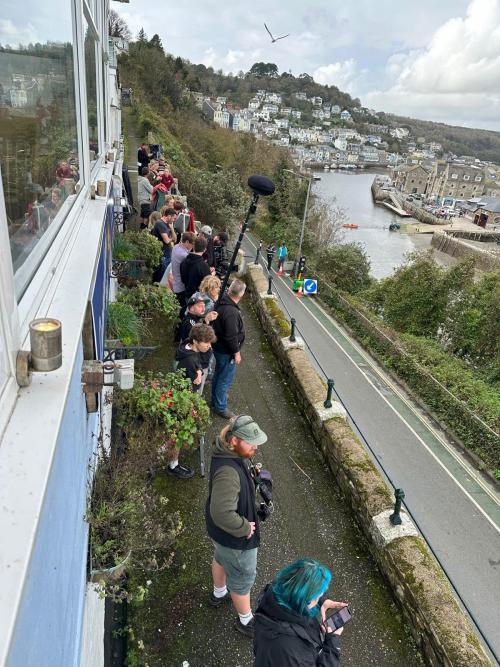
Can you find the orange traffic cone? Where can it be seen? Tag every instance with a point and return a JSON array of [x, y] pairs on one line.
[[300, 292]]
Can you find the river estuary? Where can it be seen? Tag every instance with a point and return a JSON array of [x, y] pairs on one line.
[[352, 192]]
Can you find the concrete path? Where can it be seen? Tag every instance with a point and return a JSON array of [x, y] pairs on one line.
[[457, 511], [310, 520]]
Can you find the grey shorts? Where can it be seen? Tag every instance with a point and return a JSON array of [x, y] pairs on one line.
[[240, 567]]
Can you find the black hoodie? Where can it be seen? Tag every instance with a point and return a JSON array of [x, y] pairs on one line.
[[190, 361], [284, 638], [193, 269]]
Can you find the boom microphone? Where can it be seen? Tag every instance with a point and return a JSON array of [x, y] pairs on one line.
[[261, 185]]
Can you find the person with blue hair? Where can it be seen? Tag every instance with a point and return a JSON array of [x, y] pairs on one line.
[[288, 632]]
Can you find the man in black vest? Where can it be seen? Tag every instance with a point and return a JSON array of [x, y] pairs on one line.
[[231, 518]]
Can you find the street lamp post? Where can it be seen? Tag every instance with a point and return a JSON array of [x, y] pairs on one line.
[[301, 240]]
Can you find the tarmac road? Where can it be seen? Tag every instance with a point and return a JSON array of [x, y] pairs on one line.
[[457, 511]]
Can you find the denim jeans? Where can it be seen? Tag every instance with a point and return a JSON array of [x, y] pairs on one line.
[[225, 368]]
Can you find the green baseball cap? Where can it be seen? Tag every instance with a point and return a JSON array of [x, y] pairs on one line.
[[247, 429]]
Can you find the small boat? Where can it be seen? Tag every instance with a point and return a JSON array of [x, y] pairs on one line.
[[394, 227], [350, 225], [317, 178]]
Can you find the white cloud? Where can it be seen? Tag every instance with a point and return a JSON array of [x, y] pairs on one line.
[[340, 74], [455, 78], [14, 35]]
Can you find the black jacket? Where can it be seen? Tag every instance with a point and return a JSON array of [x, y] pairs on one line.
[[190, 361], [208, 255], [187, 323], [228, 327], [193, 269], [284, 638]]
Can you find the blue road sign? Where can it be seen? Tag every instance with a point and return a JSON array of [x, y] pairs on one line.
[[310, 286]]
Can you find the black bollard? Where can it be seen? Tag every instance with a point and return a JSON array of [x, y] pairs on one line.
[[270, 284], [395, 518], [328, 402], [259, 248], [292, 338]]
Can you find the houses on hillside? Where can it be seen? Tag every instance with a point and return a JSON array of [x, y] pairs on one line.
[[419, 168]]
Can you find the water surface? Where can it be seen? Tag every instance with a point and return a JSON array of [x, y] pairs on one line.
[[386, 249]]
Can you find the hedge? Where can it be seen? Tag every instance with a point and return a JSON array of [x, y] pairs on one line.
[[407, 357]]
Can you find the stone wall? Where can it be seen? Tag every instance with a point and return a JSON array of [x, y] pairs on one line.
[[485, 260], [437, 623]]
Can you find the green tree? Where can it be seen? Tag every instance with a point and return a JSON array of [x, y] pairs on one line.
[[155, 43], [472, 326], [346, 266], [264, 69], [415, 297]]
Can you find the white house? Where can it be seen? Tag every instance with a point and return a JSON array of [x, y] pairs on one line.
[[317, 101], [270, 108], [318, 113], [301, 96], [254, 104], [295, 113], [282, 123], [285, 111], [221, 100], [273, 97], [345, 115], [335, 110]]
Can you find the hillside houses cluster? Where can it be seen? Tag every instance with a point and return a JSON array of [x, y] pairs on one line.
[[420, 166], [267, 118]]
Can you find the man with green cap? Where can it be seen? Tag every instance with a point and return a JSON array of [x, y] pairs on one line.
[[231, 518]]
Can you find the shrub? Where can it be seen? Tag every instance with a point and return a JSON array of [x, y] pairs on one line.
[[123, 249], [149, 301], [124, 324], [129, 523], [419, 362], [146, 247]]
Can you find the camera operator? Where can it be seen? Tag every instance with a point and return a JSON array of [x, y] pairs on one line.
[[232, 518], [221, 254]]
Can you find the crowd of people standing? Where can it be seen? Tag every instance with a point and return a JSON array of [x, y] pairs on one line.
[[289, 625]]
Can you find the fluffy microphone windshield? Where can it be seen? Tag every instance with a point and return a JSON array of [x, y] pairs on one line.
[[261, 185]]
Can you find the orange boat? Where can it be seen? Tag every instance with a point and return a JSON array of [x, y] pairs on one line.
[[350, 225]]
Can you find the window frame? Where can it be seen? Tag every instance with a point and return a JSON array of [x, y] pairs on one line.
[[86, 13], [16, 315]]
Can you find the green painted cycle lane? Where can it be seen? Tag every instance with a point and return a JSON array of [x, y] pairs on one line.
[[486, 499]]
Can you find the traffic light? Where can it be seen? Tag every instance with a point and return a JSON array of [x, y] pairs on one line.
[[302, 265]]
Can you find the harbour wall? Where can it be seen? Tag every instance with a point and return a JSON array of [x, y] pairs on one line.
[[451, 244]]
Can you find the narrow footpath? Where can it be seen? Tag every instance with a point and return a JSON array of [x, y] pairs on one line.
[[176, 624]]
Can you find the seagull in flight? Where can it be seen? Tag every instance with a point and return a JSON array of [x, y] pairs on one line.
[[275, 39]]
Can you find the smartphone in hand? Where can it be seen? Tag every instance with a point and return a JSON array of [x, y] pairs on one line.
[[338, 619]]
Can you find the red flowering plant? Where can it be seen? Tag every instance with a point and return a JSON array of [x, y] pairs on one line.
[[161, 414]]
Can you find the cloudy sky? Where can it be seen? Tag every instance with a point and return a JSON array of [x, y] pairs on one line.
[[433, 59]]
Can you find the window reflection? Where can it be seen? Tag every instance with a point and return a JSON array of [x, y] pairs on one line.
[[38, 132], [91, 79]]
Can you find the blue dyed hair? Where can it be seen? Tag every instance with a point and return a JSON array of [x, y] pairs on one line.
[[301, 582]]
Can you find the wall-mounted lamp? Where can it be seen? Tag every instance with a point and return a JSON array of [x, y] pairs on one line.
[[46, 350]]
